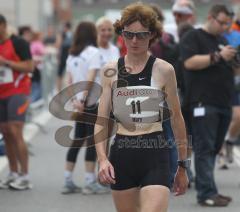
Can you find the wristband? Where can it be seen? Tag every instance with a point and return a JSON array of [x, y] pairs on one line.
[[215, 57], [184, 163]]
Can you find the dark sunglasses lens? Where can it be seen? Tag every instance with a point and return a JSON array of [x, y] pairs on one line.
[[128, 35], [139, 35], [142, 35]]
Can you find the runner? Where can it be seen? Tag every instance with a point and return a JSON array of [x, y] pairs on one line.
[[15, 64], [139, 175]]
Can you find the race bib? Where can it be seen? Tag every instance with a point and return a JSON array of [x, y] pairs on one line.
[[6, 75], [137, 104]]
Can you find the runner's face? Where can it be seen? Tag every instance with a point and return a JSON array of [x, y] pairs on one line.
[[137, 44], [105, 32]]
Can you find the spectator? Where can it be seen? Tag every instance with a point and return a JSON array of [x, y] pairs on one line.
[[183, 11], [15, 63], [37, 51], [51, 39], [208, 93], [83, 64], [25, 32], [236, 23], [233, 37], [121, 45], [66, 41], [164, 47]]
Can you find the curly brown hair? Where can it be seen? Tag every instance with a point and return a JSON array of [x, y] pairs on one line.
[[142, 13]]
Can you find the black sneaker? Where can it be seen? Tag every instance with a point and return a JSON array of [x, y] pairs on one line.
[[214, 201], [228, 198]]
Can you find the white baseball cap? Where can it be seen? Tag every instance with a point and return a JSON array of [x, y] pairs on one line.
[[185, 7]]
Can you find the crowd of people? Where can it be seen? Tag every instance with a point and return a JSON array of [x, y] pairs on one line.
[[191, 70]]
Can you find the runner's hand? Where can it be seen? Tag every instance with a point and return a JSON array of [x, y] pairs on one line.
[[79, 106], [180, 182], [106, 173]]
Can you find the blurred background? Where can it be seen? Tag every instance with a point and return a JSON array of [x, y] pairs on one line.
[[45, 22], [41, 13]]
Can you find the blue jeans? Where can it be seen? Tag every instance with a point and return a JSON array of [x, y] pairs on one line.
[[167, 129], [208, 134], [36, 93]]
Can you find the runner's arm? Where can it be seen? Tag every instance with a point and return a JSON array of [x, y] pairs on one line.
[[91, 76], [177, 120], [103, 111], [22, 66]]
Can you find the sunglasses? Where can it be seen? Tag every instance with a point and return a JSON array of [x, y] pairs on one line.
[[222, 23], [139, 35]]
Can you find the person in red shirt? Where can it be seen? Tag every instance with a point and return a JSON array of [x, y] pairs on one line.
[[236, 23], [15, 64], [121, 45]]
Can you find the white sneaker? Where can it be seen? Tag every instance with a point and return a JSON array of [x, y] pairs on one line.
[[70, 188], [95, 188], [21, 184], [4, 184]]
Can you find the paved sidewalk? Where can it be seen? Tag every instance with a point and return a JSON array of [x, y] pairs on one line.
[[47, 166]]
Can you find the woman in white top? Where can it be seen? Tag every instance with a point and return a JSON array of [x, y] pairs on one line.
[[105, 53], [83, 64]]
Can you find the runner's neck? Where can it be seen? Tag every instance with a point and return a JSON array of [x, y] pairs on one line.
[[136, 60]]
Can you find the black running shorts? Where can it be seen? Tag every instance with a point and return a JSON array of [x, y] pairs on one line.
[[14, 108], [140, 161]]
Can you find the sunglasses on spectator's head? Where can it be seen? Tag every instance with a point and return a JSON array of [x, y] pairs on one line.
[[139, 35]]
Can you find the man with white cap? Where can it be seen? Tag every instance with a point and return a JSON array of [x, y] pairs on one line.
[[184, 12]]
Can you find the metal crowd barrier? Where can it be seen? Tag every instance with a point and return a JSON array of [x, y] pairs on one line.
[[48, 81]]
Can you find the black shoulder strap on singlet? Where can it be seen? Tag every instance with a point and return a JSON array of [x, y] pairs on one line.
[[149, 66], [121, 65], [121, 82]]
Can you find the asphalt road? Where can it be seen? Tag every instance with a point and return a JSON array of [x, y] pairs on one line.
[[47, 166]]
